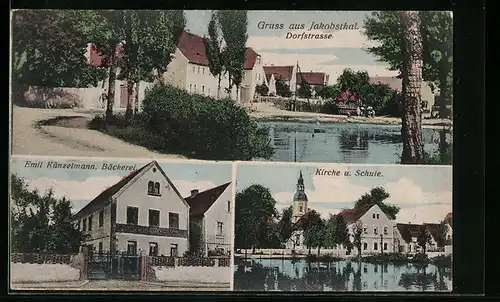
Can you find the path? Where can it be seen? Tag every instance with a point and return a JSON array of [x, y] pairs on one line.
[[122, 285], [30, 139]]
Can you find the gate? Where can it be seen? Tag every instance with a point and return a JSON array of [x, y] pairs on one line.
[[104, 266], [98, 266]]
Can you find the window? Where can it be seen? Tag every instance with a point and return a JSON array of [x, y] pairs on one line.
[[100, 247], [365, 246], [385, 246], [173, 220], [101, 218], [219, 228], [84, 224], [153, 249], [297, 239], [365, 230], [153, 188], [258, 60], [154, 218], [203, 70], [373, 215], [375, 230], [80, 226], [378, 216], [132, 247], [173, 250], [385, 231], [229, 206], [209, 91], [91, 248], [132, 215], [90, 223], [203, 89], [198, 69], [258, 76], [194, 69], [194, 87], [375, 246], [300, 209], [190, 87]]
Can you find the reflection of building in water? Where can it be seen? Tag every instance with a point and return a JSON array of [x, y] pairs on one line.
[[354, 140]]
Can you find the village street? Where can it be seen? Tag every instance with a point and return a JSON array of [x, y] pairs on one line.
[[28, 138], [122, 285]]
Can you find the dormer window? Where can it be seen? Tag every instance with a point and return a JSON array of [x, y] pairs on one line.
[[153, 188]]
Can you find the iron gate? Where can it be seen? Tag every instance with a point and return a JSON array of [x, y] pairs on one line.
[[103, 266]]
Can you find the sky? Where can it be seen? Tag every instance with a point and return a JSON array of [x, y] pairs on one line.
[[423, 193], [332, 56], [81, 186]]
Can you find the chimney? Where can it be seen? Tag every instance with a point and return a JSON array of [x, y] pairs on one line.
[[194, 192]]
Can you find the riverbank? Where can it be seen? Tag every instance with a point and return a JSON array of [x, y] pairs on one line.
[[264, 112]]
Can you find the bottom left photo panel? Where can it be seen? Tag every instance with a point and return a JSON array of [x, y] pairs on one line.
[[120, 224]]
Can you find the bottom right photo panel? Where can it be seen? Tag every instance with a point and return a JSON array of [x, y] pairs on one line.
[[343, 228]]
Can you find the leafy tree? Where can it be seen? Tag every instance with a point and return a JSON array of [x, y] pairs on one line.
[[285, 225], [379, 96], [377, 196], [441, 234], [437, 32], [341, 232], [262, 89], [313, 227], [423, 239], [48, 50], [358, 236], [353, 81], [255, 206], [304, 90], [328, 91], [65, 238], [213, 49], [233, 25], [195, 238], [282, 89]]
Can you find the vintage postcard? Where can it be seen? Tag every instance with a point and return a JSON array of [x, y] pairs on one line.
[[120, 224], [367, 87], [341, 227]]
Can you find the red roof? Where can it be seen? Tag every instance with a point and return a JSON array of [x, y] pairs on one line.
[[347, 96], [409, 231], [193, 48], [353, 215], [393, 82], [250, 58], [97, 60], [311, 78], [201, 202], [284, 73], [448, 218]]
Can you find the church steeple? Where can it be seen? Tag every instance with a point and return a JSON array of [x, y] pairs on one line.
[[299, 205]]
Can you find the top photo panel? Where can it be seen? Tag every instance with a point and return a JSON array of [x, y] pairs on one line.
[[360, 87]]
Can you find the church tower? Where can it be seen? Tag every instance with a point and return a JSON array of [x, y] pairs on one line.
[[299, 205]]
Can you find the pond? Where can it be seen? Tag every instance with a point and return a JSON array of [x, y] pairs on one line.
[[344, 142], [345, 276]]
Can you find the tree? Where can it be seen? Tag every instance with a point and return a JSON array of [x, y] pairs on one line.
[[285, 225], [377, 196], [195, 238], [329, 91], [233, 25], [65, 238], [213, 49], [262, 89], [379, 96], [353, 81], [441, 234], [423, 239], [437, 32], [411, 129], [341, 232], [255, 206], [48, 50], [313, 227], [358, 234], [282, 89], [304, 90]]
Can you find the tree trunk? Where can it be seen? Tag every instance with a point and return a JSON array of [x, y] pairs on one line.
[[111, 88], [411, 129], [218, 85], [443, 147], [136, 98], [443, 88], [130, 100]]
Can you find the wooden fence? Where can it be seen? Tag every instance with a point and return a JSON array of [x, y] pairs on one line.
[[40, 258]]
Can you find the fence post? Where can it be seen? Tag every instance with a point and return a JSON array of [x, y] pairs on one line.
[[84, 270], [216, 262], [143, 267]]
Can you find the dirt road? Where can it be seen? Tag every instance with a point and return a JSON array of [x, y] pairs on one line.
[[28, 138]]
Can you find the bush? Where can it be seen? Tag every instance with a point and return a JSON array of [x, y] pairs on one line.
[[202, 127], [386, 258], [442, 260]]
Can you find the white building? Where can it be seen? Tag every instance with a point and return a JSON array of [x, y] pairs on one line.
[[212, 210], [189, 70], [142, 212]]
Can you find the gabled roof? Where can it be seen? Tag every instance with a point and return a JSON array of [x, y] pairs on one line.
[[448, 219], [97, 60], [284, 73], [104, 198], [250, 58], [311, 78], [353, 215], [393, 82], [433, 229], [201, 202], [409, 231]]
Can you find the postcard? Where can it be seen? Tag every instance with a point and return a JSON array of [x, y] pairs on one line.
[[343, 228], [120, 224], [279, 86]]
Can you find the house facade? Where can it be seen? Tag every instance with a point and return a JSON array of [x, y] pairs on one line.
[[211, 212], [287, 74], [314, 79], [142, 212]]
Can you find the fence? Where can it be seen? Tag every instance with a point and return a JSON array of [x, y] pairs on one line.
[[40, 258], [288, 252], [189, 261]]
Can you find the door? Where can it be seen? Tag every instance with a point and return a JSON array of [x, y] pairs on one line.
[[173, 250], [123, 96]]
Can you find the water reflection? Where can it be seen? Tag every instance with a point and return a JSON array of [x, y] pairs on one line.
[[286, 275], [346, 143]]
